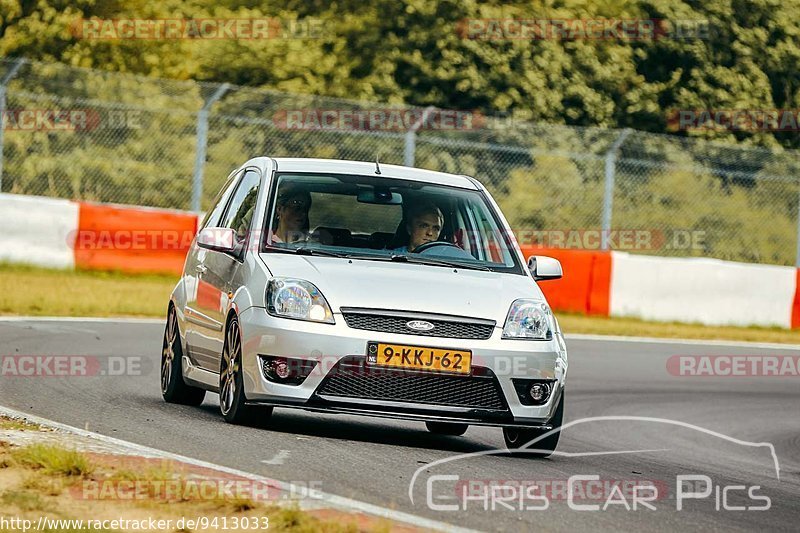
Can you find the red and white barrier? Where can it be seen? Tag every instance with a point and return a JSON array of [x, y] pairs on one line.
[[37, 230], [706, 291], [133, 239], [59, 233], [64, 234], [671, 289]]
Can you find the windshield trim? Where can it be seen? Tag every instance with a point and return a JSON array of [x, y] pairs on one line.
[[264, 247]]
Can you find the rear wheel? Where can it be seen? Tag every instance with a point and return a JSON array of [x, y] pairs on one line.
[[518, 438], [447, 428], [173, 388], [232, 401]]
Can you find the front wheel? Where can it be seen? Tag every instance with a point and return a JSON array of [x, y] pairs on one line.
[[173, 388], [232, 401], [518, 438]]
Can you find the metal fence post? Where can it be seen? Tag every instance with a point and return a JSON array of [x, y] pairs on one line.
[[608, 195], [200, 148], [410, 150], [12, 71]]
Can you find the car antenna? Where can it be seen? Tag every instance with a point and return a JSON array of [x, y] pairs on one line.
[[377, 165]]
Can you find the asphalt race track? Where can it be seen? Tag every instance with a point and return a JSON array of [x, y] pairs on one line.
[[374, 460]]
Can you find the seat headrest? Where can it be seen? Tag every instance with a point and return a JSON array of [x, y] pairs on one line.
[[332, 236]]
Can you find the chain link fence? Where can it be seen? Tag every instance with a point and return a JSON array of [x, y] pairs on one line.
[[109, 137]]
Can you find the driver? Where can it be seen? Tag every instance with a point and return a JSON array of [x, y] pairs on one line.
[[291, 215], [425, 222]]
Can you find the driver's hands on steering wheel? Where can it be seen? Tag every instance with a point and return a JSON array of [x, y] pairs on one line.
[[433, 244]]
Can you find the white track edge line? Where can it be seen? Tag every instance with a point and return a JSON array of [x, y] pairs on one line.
[[331, 499], [667, 340], [121, 320]]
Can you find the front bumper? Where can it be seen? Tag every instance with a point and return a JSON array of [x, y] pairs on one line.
[[332, 344]]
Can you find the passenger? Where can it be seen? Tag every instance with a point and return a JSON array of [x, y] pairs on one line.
[[291, 216], [425, 222]]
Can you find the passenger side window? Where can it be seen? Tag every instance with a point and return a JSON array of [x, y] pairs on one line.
[[242, 206], [212, 218], [484, 240]]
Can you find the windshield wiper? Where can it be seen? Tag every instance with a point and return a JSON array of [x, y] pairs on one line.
[[402, 258], [305, 250], [426, 260]]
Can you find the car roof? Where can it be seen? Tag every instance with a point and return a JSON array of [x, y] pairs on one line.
[[340, 166]]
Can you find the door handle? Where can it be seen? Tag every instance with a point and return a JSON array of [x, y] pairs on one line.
[[201, 269]]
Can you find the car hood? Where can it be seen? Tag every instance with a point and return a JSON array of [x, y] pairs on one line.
[[407, 287]]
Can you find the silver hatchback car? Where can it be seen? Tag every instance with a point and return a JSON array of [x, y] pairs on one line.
[[370, 289]]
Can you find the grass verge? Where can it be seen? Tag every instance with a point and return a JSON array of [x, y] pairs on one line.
[[18, 424], [51, 481], [53, 460], [641, 328], [32, 291]]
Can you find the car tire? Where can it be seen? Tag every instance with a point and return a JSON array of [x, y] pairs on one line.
[[232, 401], [173, 388], [516, 438], [447, 428]]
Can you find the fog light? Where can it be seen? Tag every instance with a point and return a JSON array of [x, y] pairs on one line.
[[281, 369], [539, 392], [286, 370]]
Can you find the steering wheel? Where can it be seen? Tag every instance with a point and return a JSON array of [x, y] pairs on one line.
[[433, 244]]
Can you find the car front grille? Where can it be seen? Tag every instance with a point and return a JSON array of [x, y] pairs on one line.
[[396, 322], [351, 378]]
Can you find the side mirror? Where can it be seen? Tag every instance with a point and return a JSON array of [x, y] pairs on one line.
[[543, 268], [217, 239]]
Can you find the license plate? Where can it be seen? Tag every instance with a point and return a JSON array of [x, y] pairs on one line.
[[419, 357]]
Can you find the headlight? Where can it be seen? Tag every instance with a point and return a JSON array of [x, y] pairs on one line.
[[298, 299], [529, 319]]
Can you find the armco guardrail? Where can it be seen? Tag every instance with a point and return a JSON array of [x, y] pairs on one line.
[[65, 234]]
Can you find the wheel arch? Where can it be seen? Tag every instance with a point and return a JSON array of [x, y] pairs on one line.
[[233, 313], [172, 305]]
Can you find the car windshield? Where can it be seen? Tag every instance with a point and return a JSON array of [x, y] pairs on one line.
[[377, 218]]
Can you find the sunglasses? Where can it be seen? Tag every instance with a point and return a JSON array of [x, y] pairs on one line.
[[296, 203]]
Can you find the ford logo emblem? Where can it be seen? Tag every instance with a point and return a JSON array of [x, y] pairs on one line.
[[419, 325]]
